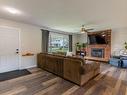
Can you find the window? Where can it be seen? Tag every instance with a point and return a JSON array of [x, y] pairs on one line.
[[58, 42]]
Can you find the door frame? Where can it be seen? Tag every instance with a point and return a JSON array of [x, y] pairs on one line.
[[18, 30]]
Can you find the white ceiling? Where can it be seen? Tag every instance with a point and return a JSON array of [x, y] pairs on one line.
[[69, 15]]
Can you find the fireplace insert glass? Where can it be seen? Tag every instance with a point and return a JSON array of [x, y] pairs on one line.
[[95, 52]]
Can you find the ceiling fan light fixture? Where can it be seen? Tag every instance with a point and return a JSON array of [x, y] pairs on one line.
[[83, 30]]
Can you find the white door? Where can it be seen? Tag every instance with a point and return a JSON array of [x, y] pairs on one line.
[[9, 49]]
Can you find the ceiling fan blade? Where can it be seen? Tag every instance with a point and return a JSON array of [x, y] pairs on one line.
[[83, 29], [89, 29]]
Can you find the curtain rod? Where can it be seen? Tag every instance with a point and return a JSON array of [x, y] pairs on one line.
[[65, 33]]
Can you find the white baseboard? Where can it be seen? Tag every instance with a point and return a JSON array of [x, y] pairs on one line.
[[29, 67]]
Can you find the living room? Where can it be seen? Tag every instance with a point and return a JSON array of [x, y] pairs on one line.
[[63, 47]]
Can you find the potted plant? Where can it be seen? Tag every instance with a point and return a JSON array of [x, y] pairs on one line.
[[78, 46], [125, 45], [84, 46]]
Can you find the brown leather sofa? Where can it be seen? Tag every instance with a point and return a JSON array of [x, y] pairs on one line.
[[74, 69]]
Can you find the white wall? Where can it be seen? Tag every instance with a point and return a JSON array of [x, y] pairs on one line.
[[30, 41], [82, 38], [75, 40], [119, 37]]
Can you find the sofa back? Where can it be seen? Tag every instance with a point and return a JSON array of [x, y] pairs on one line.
[[41, 60], [54, 64], [78, 58]]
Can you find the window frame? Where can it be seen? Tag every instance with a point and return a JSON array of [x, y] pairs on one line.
[[63, 36]]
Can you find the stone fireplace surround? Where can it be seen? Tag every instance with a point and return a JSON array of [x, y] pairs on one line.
[[105, 49]]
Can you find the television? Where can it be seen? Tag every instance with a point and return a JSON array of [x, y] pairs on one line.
[[97, 39]]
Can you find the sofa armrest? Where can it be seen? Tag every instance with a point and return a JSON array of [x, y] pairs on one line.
[[89, 66], [123, 58], [72, 70]]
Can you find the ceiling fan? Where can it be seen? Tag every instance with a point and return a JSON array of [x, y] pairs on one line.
[[83, 29]]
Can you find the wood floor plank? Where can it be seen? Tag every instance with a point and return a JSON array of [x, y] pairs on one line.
[[15, 91], [5, 86], [36, 85], [62, 87], [46, 90], [107, 92], [117, 87], [49, 82], [104, 72], [126, 91], [110, 81], [84, 88], [71, 90]]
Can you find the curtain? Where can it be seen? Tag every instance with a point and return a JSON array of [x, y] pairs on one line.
[[70, 43], [45, 40]]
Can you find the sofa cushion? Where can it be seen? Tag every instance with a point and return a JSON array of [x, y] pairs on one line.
[[79, 58], [124, 63], [117, 57], [89, 66], [123, 58], [115, 62]]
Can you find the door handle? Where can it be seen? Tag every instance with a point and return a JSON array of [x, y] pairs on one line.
[[17, 51]]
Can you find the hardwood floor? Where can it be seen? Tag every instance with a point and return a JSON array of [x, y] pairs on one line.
[[111, 81]]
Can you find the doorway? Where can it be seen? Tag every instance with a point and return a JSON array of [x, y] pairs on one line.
[[9, 49]]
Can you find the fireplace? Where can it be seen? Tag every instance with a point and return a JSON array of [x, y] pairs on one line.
[[97, 52]]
